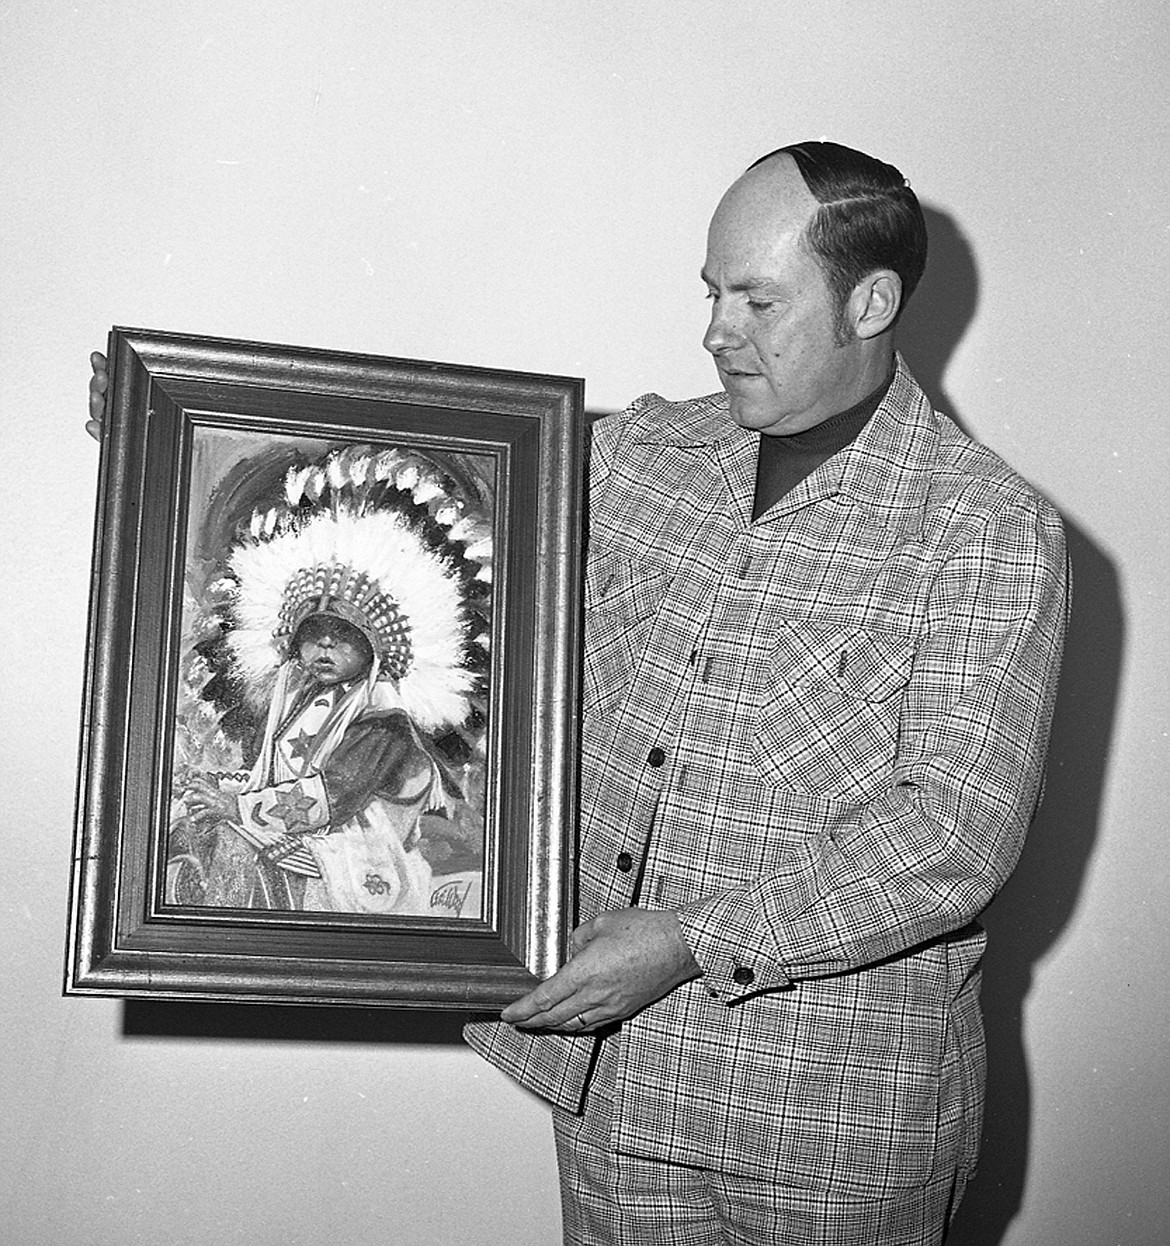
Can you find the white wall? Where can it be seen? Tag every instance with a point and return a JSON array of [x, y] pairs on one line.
[[526, 185]]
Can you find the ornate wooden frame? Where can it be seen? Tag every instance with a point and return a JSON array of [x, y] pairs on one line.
[[125, 937]]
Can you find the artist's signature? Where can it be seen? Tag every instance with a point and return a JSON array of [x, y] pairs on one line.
[[451, 896]]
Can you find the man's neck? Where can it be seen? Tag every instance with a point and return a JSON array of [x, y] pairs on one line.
[[785, 460]]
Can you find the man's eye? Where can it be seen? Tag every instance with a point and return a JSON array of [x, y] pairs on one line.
[[761, 305]]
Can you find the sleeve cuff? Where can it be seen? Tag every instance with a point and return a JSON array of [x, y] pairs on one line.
[[287, 808], [725, 939]]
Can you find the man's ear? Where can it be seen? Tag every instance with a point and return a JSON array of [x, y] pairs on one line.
[[874, 303]]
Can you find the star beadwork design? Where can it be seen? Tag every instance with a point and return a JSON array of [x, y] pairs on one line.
[[300, 745], [294, 808]]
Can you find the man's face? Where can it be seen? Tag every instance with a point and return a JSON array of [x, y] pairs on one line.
[[333, 657], [774, 329]]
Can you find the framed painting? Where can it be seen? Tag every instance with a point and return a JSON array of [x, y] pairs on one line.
[[328, 740]]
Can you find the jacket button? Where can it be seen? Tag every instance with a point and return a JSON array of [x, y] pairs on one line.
[[655, 757], [625, 862], [743, 976]]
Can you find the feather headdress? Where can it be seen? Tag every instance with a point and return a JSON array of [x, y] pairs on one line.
[[382, 540]]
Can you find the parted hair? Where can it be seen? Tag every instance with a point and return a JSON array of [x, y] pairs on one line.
[[869, 217]]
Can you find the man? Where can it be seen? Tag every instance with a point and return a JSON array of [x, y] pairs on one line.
[[822, 636], [821, 642]]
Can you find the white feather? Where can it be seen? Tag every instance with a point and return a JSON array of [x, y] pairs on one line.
[[335, 472], [385, 464], [294, 484], [426, 489]]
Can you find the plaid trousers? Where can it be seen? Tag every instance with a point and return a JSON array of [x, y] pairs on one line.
[[609, 1199]]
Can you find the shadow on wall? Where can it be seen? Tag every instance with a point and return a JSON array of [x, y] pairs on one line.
[[294, 1023], [1028, 916]]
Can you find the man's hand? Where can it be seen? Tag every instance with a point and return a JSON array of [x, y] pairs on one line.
[[98, 384], [619, 962]]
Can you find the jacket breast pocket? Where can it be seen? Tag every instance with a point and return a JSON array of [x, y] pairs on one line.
[[829, 709], [621, 600]]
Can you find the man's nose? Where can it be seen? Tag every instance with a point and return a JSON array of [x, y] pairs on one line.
[[722, 333]]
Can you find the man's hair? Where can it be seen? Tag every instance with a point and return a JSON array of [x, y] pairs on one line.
[[869, 218]]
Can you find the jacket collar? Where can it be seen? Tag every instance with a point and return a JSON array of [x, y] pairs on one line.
[[885, 471]]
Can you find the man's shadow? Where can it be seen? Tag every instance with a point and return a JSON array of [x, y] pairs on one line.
[[1029, 915]]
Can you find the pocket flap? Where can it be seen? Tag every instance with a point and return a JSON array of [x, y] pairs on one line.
[[616, 583], [864, 665]]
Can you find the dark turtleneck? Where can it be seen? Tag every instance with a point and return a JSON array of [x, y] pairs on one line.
[[786, 460]]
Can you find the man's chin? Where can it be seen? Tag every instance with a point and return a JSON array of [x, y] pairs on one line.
[[757, 417], [748, 414]]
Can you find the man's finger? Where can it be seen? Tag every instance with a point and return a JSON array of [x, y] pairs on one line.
[[571, 1016], [537, 1002], [553, 1002]]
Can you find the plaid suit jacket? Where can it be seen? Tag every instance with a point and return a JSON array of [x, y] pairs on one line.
[[819, 737]]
